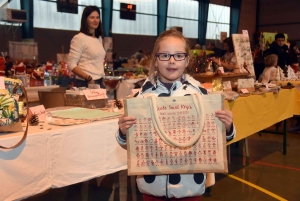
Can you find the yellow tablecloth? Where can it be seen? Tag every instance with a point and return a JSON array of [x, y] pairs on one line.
[[257, 112]]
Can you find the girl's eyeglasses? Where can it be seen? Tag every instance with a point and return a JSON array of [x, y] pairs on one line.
[[166, 56]]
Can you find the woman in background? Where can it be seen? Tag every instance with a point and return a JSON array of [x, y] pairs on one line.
[[86, 54], [228, 60]]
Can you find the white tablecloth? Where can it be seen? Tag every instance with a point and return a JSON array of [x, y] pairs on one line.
[[58, 157]]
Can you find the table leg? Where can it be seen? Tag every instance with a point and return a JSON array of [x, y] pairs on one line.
[[284, 133], [284, 136]]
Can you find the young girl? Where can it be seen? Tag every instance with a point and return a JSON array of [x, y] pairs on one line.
[[167, 78], [269, 73]]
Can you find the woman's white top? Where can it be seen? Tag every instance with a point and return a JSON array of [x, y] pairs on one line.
[[88, 54]]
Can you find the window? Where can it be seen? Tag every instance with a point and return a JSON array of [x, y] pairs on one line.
[[184, 13], [46, 11], [218, 21], [146, 18], [12, 5]]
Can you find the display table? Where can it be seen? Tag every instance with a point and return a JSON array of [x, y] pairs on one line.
[[32, 92], [58, 157], [257, 112]]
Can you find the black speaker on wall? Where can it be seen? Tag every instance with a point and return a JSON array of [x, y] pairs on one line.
[[127, 11], [67, 6]]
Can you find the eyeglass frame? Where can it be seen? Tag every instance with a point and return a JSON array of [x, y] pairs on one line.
[[172, 55]]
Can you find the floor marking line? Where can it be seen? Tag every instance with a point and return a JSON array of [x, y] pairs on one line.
[[279, 166], [257, 187]]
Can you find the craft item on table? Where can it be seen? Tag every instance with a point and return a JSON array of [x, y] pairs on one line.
[[246, 84], [84, 113], [264, 89], [19, 68], [291, 74], [9, 107], [243, 54], [112, 82], [63, 69], [230, 95], [227, 86], [49, 66], [246, 68], [220, 70], [34, 120], [244, 94], [288, 86], [209, 68], [37, 77], [76, 97], [257, 93], [39, 110], [95, 94], [217, 84], [2, 66]]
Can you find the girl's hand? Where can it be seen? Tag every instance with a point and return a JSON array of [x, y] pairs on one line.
[[126, 122], [225, 116]]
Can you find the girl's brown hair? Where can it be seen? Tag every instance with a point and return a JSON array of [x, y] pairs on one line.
[[271, 60], [168, 33]]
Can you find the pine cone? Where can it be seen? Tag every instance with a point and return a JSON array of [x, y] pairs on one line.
[[34, 120], [119, 104]]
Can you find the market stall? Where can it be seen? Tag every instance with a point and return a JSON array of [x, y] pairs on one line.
[[72, 154]]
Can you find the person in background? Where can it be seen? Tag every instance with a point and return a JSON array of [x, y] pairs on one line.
[[228, 60], [217, 51], [138, 55], [294, 53], [86, 54], [145, 59], [167, 77], [280, 49], [198, 47], [269, 73]]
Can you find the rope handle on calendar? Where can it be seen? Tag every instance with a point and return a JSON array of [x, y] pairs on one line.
[[26, 130], [197, 101]]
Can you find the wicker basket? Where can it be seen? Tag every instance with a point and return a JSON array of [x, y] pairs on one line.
[[81, 101]]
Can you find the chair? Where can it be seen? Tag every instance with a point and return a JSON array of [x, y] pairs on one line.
[[52, 99], [59, 89]]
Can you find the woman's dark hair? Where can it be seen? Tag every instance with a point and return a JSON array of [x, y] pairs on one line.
[[84, 26], [229, 42]]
